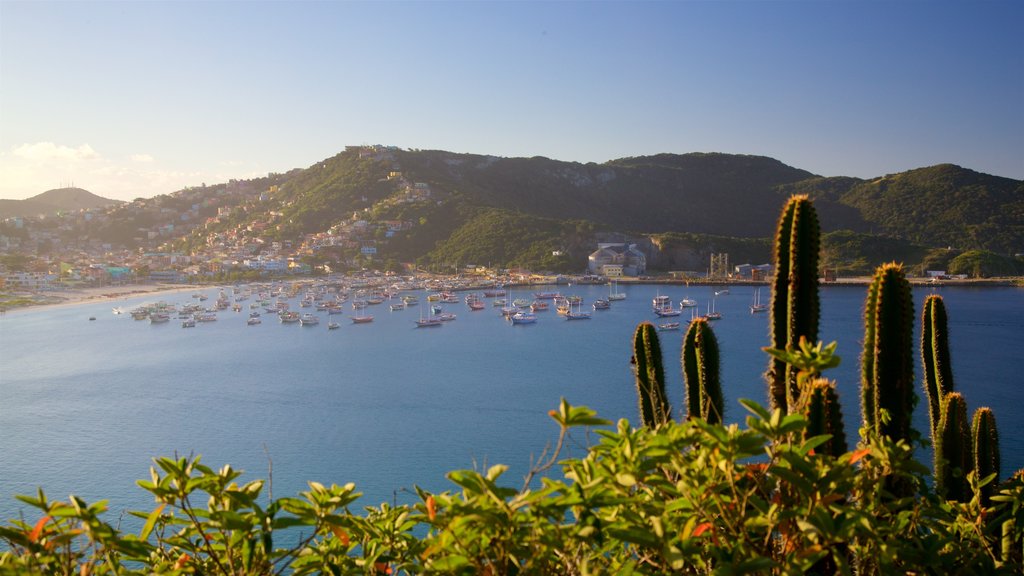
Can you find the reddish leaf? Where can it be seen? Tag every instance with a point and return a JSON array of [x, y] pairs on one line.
[[38, 529]]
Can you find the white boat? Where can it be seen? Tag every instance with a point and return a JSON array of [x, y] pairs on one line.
[[428, 322], [757, 306], [397, 306], [687, 303], [189, 323], [253, 321], [661, 301], [333, 325], [118, 311], [309, 320], [602, 304], [669, 326], [523, 318], [722, 292]]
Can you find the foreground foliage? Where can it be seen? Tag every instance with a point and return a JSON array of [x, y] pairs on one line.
[[683, 498]]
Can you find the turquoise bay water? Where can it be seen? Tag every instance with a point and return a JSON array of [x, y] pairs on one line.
[[86, 404]]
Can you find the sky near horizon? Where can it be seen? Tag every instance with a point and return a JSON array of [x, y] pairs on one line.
[[134, 99]]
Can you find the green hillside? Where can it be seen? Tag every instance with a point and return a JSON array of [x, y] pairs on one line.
[[547, 214]]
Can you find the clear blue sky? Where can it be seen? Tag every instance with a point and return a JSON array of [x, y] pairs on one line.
[[130, 99]]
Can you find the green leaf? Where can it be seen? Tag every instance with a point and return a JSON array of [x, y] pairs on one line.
[[151, 522]]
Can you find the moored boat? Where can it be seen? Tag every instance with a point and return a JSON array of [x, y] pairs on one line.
[[362, 319], [523, 318]]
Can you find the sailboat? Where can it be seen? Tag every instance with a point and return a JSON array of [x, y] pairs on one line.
[[578, 314], [712, 315], [615, 294], [757, 306]]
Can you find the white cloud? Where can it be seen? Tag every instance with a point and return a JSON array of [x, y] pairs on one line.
[[45, 151], [142, 158]]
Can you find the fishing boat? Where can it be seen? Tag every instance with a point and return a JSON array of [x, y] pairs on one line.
[[397, 306], [602, 304], [539, 306], [667, 311], [289, 317], [159, 318], [756, 306], [189, 323], [309, 320], [661, 301]]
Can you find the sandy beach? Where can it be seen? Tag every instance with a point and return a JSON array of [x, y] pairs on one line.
[[31, 300]]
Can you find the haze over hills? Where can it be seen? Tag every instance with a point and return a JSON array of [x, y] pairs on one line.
[[56, 200]]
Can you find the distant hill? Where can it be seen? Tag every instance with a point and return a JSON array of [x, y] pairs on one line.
[[56, 200], [547, 213], [939, 206]]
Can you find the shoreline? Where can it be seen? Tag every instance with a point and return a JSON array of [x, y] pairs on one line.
[[77, 297]]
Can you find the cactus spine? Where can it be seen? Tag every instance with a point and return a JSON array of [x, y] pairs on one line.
[[795, 305], [938, 374], [701, 373], [986, 450], [650, 377], [824, 416], [887, 367], [953, 460]]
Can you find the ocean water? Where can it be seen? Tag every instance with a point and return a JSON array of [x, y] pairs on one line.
[[85, 405]]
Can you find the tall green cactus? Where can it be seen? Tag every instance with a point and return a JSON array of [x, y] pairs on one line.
[[824, 416], [701, 373], [795, 305], [953, 460], [938, 374], [887, 366], [650, 377], [986, 450]]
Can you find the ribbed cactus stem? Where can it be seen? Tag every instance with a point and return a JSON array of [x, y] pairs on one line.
[[701, 373], [795, 304], [887, 366], [650, 377], [985, 438], [953, 460], [825, 417], [938, 374]]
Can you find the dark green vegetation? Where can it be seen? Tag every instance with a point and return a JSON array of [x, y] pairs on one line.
[[691, 497]]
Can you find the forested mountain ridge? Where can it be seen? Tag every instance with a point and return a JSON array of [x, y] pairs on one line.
[[705, 193], [942, 205]]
